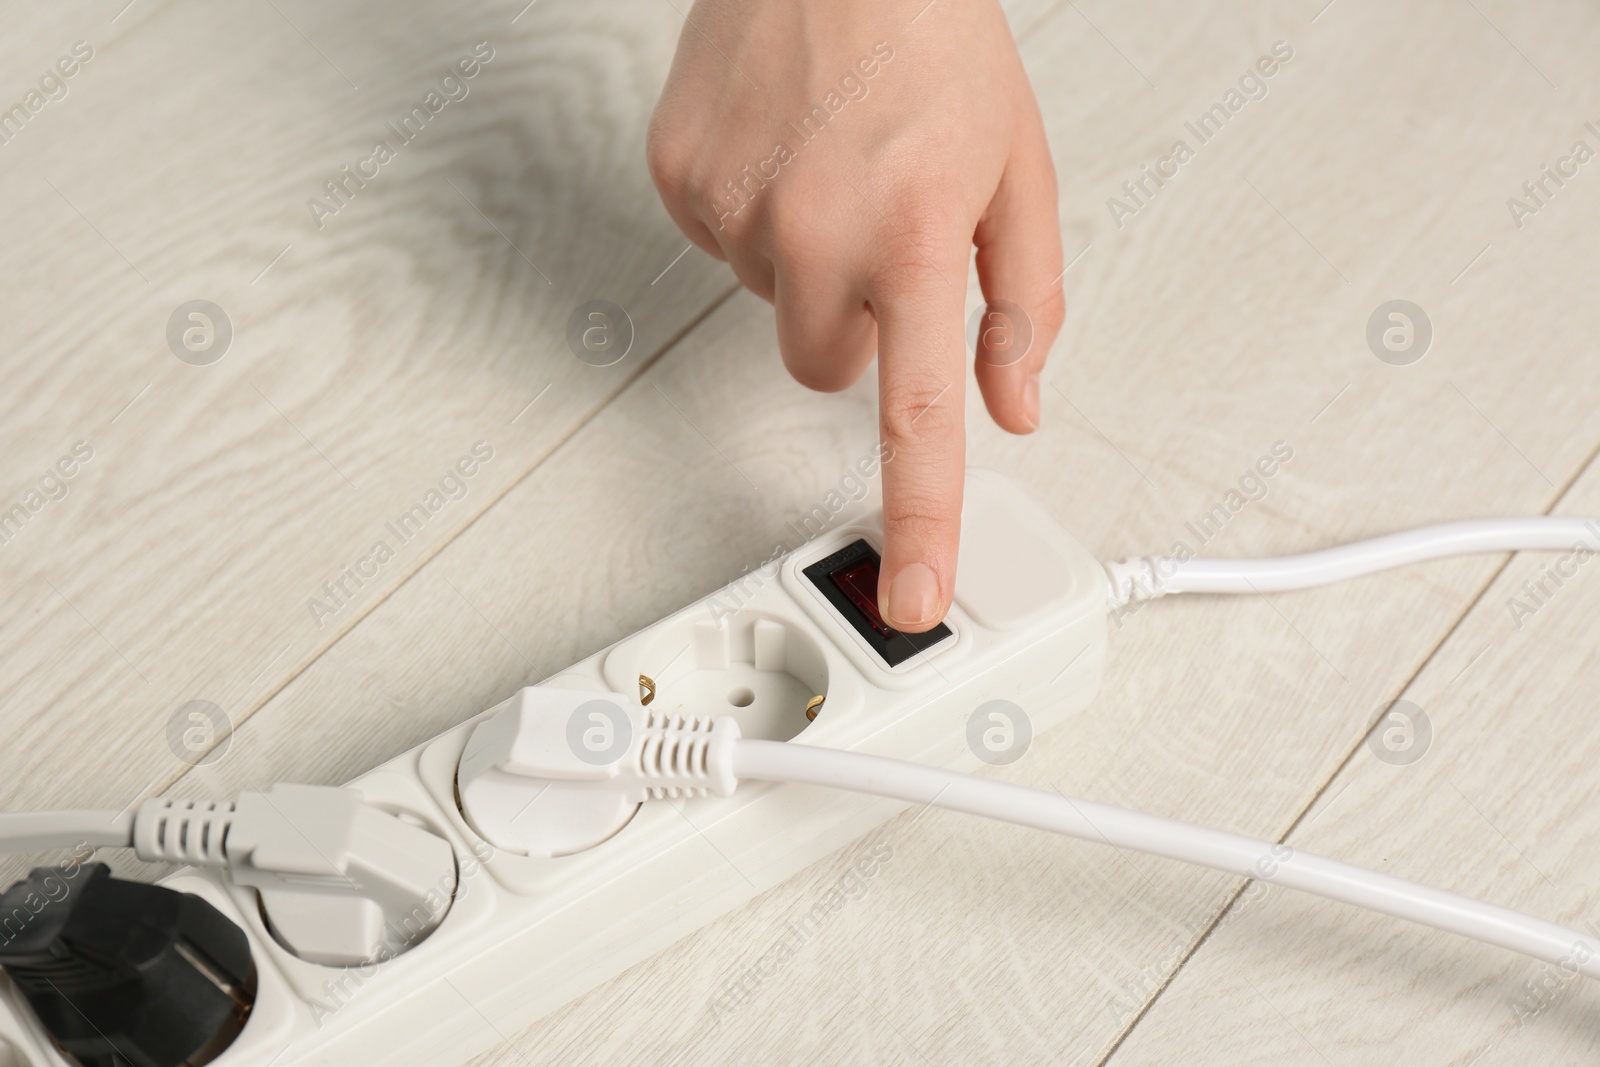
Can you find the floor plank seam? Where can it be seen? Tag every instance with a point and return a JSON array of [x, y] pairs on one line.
[[488, 505], [1562, 493]]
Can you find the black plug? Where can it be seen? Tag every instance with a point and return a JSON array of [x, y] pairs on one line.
[[126, 974]]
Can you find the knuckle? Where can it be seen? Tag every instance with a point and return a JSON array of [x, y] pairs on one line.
[[923, 235], [739, 224], [820, 377], [821, 354], [669, 159], [912, 262], [927, 210], [918, 514], [803, 237], [807, 259], [794, 222], [906, 268], [925, 225], [919, 410]]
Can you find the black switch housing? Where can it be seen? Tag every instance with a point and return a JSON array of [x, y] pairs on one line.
[[849, 580]]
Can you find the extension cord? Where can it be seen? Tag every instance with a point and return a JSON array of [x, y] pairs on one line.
[[524, 936]]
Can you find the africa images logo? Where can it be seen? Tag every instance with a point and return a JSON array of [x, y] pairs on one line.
[[453, 485], [52, 87], [1252, 85], [453, 87], [852, 86]]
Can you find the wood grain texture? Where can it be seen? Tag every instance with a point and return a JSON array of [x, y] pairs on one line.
[[1499, 805], [1226, 315], [1201, 337], [369, 353], [368, 356]]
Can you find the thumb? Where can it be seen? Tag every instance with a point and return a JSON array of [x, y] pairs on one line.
[[1019, 266], [921, 403]]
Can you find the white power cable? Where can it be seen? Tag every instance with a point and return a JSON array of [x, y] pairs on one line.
[[1154, 576], [1278, 864], [35, 831], [523, 755]]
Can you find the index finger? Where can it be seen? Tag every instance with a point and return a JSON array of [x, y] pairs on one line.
[[921, 413]]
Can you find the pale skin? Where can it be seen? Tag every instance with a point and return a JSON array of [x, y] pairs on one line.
[[860, 228]]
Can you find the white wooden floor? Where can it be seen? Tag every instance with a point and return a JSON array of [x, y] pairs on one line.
[[1229, 313]]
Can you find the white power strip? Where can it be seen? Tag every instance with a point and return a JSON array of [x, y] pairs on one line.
[[621, 828], [524, 936]]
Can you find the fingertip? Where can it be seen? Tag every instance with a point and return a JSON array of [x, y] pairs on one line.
[[1012, 396], [913, 602]]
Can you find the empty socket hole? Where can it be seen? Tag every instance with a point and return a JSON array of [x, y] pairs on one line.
[[759, 669]]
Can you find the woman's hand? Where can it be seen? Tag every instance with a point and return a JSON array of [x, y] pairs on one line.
[[843, 156]]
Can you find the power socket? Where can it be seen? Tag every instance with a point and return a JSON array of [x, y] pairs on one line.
[[524, 934]]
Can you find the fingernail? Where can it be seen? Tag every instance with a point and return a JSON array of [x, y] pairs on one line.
[[1030, 401], [914, 596]]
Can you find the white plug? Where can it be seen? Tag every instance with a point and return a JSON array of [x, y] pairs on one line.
[[341, 882], [557, 771]]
